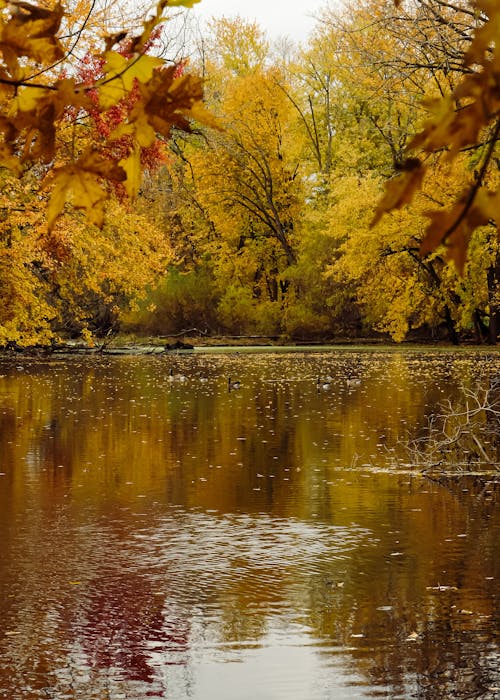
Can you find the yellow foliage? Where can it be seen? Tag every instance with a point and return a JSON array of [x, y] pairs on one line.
[[121, 74], [31, 32], [466, 118], [80, 184]]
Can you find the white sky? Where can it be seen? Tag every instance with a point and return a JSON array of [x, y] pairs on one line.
[[291, 18]]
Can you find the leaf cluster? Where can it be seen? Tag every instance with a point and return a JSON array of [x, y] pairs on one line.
[[43, 114]]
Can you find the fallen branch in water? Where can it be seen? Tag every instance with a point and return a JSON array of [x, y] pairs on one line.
[[463, 436]]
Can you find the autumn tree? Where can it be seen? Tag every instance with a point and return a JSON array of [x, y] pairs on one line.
[[70, 137], [462, 127], [372, 121], [241, 190]]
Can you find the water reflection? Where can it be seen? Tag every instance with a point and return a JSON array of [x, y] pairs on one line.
[[178, 540]]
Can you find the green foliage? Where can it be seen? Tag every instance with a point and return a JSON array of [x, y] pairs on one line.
[[178, 302]]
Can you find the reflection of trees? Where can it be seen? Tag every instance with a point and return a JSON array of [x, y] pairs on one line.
[[124, 624], [121, 431]]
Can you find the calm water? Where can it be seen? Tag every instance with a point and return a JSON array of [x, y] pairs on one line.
[[178, 540]]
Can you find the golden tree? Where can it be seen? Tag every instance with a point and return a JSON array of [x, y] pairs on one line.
[[82, 106]]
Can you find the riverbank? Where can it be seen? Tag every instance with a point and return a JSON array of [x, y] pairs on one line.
[[157, 345]]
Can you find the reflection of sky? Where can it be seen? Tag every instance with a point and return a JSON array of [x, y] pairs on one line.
[[168, 608], [286, 665]]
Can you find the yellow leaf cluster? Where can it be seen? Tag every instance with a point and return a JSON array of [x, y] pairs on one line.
[[35, 111]]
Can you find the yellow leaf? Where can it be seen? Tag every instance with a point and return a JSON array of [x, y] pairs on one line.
[[132, 166], [121, 74], [79, 187], [454, 227], [138, 127], [434, 133], [145, 134], [182, 3], [442, 222], [94, 162], [200, 114], [27, 98], [8, 160], [400, 190], [70, 94], [31, 32]]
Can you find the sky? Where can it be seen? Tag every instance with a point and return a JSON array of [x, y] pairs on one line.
[[291, 18]]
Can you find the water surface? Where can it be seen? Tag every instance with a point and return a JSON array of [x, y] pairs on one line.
[[174, 539]]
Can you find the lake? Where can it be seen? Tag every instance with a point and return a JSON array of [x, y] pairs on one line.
[[174, 537]]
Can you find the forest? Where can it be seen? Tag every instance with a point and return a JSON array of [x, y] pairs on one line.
[[159, 180]]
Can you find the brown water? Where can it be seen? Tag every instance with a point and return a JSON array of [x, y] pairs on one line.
[[178, 540]]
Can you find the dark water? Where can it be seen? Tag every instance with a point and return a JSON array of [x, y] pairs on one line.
[[173, 539]]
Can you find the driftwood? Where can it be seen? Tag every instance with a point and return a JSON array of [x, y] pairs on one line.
[[463, 436]]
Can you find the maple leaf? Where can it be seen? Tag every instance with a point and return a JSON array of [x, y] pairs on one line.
[[132, 166], [486, 35], [27, 98], [170, 100], [95, 162], [400, 190], [80, 184], [68, 93], [121, 74], [31, 32], [81, 188], [453, 227]]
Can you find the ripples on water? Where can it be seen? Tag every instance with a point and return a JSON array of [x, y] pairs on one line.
[[173, 539]]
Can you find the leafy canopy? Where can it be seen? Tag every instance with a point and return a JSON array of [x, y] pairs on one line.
[[42, 98]]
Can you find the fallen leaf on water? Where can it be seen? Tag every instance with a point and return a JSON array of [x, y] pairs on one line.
[[441, 588]]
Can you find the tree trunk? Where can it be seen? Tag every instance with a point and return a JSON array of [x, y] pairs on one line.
[[452, 333], [493, 277]]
